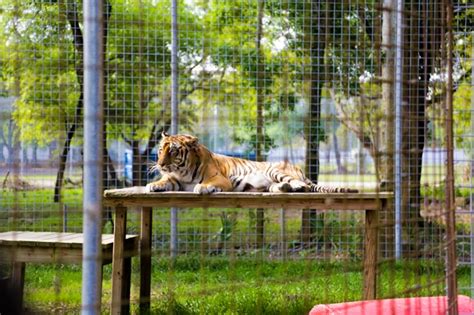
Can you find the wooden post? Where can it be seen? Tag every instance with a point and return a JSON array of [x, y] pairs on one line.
[[145, 259], [118, 259], [260, 228], [17, 285], [283, 234], [370, 254], [205, 239], [126, 282]]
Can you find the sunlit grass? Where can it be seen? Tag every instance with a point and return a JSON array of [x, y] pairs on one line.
[[232, 285]]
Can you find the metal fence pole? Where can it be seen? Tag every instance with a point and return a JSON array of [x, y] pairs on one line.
[[174, 112], [93, 135], [398, 127]]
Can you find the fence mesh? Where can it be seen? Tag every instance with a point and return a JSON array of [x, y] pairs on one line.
[[309, 82]]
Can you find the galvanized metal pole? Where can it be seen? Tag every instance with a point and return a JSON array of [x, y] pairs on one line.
[[174, 67], [398, 127], [174, 112], [93, 129]]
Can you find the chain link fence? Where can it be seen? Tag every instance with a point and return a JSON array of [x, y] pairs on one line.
[[357, 93]]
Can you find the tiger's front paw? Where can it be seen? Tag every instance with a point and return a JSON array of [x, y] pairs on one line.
[[206, 189], [298, 186], [280, 187], [157, 187]]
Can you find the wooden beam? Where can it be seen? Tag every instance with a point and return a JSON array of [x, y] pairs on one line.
[[136, 196]]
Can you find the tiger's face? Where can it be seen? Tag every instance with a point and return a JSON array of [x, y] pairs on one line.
[[175, 153]]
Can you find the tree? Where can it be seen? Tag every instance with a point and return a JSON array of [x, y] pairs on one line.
[[316, 35], [135, 86]]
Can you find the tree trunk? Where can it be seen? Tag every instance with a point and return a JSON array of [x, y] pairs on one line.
[[78, 41], [3, 141], [24, 154], [67, 145], [337, 154], [318, 29], [384, 158], [417, 66], [34, 154], [13, 145], [2, 157]]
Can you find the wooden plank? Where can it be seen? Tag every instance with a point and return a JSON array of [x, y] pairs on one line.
[[118, 259], [40, 241], [37, 254], [370, 254], [267, 202], [145, 259], [27, 236], [63, 255], [50, 238], [34, 237], [140, 193]]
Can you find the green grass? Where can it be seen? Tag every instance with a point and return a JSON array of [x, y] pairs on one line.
[[218, 285], [34, 210]]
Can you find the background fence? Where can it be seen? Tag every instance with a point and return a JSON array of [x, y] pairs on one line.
[[312, 82]]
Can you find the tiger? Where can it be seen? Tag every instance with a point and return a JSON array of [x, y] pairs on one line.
[[187, 165]]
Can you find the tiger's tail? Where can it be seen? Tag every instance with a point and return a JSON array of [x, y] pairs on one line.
[[327, 189]]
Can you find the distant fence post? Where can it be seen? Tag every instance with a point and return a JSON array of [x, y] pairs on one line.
[[174, 112]]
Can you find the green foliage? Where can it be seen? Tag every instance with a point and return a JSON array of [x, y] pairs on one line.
[[38, 67], [463, 96], [218, 50], [229, 224], [438, 192]]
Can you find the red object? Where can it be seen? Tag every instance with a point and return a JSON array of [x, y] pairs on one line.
[[404, 306]]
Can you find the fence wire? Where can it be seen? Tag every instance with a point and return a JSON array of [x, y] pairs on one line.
[[309, 82]]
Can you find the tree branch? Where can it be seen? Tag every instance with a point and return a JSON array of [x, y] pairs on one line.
[[347, 121], [125, 138]]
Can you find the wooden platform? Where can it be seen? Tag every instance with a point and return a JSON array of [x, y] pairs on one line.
[[51, 247], [19, 248], [137, 197]]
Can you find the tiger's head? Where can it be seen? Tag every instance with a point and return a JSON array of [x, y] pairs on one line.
[[177, 153]]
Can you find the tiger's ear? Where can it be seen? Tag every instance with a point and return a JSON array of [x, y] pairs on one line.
[[164, 134], [192, 140]]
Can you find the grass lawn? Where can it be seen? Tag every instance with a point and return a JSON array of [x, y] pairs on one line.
[[226, 285]]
